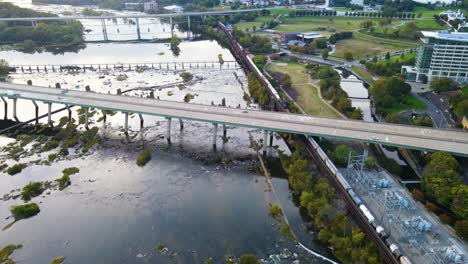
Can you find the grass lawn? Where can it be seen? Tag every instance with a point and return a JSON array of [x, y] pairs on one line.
[[363, 73], [428, 24], [409, 102], [363, 46], [308, 96], [258, 22], [342, 9], [304, 24], [429, 13], [280, 10]]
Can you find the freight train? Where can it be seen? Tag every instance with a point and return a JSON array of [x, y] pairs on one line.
[[380, 230]]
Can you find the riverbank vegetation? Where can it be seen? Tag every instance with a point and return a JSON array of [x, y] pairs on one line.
[[7, 251], [58, 260], [52, 34], [143, 158], [319, 203], [33, 189], [24, 211]]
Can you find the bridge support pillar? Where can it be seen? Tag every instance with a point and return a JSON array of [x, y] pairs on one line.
[[6, 108], [14, 109], [224, 133], [168, 133], [138, 28], [172, 26], [215, 134], [188, 24], [141, 120], [265, 135], [181, 124], [69, 113], [86, 118], [271, 138], [49, 114], [104, 29], [126, 124], [36, 107]]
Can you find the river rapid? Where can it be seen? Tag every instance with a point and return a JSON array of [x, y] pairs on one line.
[[197, 202]]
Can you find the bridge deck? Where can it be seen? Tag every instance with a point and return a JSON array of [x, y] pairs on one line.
[[427, 139]]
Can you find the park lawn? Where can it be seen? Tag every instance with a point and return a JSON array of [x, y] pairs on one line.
[[308, 97], [279, 11], [428, 24], [363, 46], [409, 102], [364, 74], [429, 13], [304, 24], [250, 24], [342, 9]]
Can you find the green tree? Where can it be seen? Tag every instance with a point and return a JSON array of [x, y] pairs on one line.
[[325, 54], [4, 68], [395, 118], [367, 24], [443, 84], [348, 56], [286, 81], [389, 92], [24, 211], [341, 154], [460, 200]]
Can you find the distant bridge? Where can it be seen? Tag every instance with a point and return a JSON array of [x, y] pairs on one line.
[[420, 138], [125, 66]]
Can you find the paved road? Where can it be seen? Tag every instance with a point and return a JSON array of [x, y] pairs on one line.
[[454, 141]]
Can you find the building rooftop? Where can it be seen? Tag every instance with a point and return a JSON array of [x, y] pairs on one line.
[[309, 35], [456, 36]]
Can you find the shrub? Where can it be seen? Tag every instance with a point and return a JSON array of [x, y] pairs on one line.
[[17, 168], [7, 251], [24, 211], [52, 157], [31, 190], [58, 260], [341, 154], [447, 219], [71, 170], [63, 181], [248, 259], [275, 211], [143, 158], [370, 162], [186, 76]]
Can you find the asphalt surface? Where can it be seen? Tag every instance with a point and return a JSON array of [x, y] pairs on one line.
[[427, 139]]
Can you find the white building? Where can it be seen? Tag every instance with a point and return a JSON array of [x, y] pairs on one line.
[[174, 9], [452, 15], [425, 2], [441, 54], [150, 6]]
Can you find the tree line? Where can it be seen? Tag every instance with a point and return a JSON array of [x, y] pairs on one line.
[[319, 204]]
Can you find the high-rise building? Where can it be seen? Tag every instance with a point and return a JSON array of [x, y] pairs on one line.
[[441, 54]]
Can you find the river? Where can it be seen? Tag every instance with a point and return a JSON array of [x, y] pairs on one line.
[[196, 202]]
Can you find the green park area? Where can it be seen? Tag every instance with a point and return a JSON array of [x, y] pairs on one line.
[[249, 25], [323, 25], [308, 97], [364, 46], [407, 102]]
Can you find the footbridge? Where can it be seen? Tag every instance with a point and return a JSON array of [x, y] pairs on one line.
[[425, 139], [125, 66]]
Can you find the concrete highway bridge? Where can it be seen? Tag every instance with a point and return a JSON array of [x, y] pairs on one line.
[[413, 137]]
